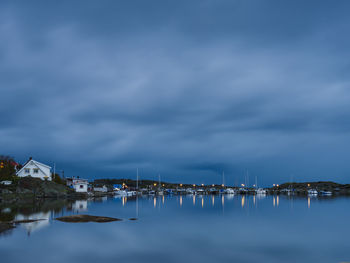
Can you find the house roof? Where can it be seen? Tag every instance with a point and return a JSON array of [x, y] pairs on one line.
[[36, 163]]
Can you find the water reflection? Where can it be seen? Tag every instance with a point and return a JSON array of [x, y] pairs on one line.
[[42, 210], [80, 205], [43, 218]]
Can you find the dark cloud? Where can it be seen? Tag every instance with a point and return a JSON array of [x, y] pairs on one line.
[[185, 89]]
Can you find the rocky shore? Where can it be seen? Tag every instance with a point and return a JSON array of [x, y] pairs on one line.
[[28, 187]]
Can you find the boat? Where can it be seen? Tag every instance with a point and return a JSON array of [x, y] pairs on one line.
[[230, 191], [120, 192], [312, 192], [200, 192], [243, 190], [189, 191], [260, 191], [131, 193], [326, 193]]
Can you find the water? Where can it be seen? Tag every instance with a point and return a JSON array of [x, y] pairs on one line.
[[183, 229]]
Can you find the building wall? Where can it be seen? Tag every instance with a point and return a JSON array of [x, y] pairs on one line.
[[80, 188], [31, 171]]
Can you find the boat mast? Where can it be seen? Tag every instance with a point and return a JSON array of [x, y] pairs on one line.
[[223, 178], [137, 179]]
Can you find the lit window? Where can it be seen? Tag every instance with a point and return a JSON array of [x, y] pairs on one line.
[[36, 170], [27, 170]]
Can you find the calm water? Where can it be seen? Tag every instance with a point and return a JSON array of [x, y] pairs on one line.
[[183, 229]]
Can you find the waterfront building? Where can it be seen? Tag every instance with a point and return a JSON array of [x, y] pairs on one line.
[[35, 169], [78, 184]]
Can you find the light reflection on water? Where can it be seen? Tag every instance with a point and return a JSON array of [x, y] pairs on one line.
[[220, 228]]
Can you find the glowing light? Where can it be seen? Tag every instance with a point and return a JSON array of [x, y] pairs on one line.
[[202, 184], [308, 202], [194, 200], [222, 185], [155, 184], [180, 185], [212, 185], [154, 201], [277, 200], [223, 200], [274, 201], [212, 200], [163, 199], [202, 202], [243, 201], [180, 200], [194, 185], [242, 185]]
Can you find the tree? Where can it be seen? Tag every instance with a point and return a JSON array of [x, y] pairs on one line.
[[7, 167], [57, 179]]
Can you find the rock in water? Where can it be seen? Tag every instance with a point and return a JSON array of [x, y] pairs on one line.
[[86, 218]]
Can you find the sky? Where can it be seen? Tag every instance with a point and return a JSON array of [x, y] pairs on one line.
[[184, 89]]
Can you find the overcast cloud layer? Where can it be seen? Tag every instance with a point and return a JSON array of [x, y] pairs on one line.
[[187, 89]]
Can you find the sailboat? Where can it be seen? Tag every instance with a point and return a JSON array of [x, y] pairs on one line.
[[160, 190], [259, 191]]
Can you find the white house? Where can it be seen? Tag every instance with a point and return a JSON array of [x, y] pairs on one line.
[[79, 185], [35, 169]]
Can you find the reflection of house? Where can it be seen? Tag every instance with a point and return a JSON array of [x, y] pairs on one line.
[[79, 205], [79, 185], [35, 169], [43, 218]]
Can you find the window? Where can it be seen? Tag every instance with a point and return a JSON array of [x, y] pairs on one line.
[[36, 170], [81, 186], [26, 170]]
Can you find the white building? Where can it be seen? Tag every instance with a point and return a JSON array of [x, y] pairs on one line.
[[79, 185], [35, 169], [102, 189]]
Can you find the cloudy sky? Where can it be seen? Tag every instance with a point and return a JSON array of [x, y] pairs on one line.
[[187, 89]]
